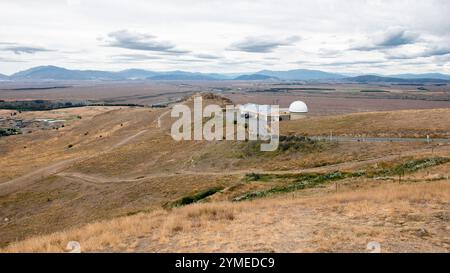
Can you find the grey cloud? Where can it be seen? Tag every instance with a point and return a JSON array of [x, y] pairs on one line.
[[329, 53], [436, 51], [206, 56], [341, 63], [393, 37], [428, 52], [25, 49], [442, 60], [192, 60], [135, 57], [353, 63], [262, 44], [8, 60], [141, 41]]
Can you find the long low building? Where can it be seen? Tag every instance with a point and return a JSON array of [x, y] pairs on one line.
[[297, 110]]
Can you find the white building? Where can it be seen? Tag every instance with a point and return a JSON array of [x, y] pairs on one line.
[[298, 109]]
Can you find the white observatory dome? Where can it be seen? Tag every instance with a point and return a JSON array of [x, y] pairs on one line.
[[298, 107]]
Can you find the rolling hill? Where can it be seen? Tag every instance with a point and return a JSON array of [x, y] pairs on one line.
[[58, 73], [255, 77], [181, 76], [114, 180], [136, 74], [381, 79], [301, 75], [423, 76]]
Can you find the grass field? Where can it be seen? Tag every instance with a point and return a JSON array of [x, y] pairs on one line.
[[115, 181]]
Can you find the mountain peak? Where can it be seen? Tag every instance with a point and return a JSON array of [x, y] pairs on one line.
[[51, 72], [301, 74]]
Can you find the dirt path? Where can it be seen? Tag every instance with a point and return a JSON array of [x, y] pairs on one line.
[[126, 140], [57, 167], [94, 179], [159, 119]]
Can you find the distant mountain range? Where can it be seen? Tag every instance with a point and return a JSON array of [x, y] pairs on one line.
[[301, 75], [380, 79], [181, 76], [422, 76], [58, 73], [255, 77]]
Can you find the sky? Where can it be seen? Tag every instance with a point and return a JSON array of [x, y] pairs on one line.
[[344, 36]]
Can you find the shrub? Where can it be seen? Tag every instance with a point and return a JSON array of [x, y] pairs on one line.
[[196, 197]]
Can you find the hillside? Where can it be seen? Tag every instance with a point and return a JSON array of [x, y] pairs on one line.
[[301, 74], [50, 72], [323, 221], [255, 77], [182, 76], [406, 123], [59, 73], [381, 79], [423, 76], [109, 162]]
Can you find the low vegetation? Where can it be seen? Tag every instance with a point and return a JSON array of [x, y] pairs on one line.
[[123, 164], [197, 197], [287, 144], [409, 123], [298, 182], [10, 132], [412, 165], [302, 181], [390, 214], [374, 91]]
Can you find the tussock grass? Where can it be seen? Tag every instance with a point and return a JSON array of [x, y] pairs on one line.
[[301, 181], [410, 166], [278, 224], [308, 180], [287, 144]]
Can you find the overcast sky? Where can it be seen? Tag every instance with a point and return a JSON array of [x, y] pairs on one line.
[[347, 36]]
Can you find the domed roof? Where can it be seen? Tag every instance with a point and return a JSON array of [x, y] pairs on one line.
[[298, 107]]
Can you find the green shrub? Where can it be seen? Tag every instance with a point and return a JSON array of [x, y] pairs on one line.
[[196, 197]]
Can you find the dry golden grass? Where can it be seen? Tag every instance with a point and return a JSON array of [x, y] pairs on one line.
[[108, 180], [402, 217], [406, 123]]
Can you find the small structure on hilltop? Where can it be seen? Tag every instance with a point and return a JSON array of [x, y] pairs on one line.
[[298, 110]]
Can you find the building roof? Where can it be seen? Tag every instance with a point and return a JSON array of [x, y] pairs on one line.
[[298, 107], [266, 110]]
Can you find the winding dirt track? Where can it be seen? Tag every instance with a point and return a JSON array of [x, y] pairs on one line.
[[92, 179], [58, 168]]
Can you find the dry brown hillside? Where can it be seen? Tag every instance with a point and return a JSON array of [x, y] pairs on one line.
[[121, 161], [406, 123], [401, 217]]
